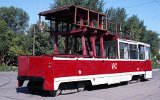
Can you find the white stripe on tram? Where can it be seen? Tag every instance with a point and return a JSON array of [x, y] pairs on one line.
[[101, 78]]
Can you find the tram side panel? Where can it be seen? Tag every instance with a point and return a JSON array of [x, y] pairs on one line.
[[97, 71], [57, 71], [148, 69]]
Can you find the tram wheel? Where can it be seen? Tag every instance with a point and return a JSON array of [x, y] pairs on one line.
[[34, 87], [55, 93], [80, 86]]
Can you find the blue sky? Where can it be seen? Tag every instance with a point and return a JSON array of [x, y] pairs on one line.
[[147, 10]]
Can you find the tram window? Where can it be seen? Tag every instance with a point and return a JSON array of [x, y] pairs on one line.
[[141, 52], [97, 49], [133, 51], [148, 52], [111, 52], [123, 50], [110, 49]]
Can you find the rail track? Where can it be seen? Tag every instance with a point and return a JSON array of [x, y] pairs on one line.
[[6, 80]]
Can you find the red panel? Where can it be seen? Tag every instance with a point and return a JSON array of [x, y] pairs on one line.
[[36, 66], [64, 68], [49, 69], [148, 65], [23, 64], [30, 66], [48, 73]]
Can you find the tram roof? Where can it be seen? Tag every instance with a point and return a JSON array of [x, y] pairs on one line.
[[68, 11], [133, 42]]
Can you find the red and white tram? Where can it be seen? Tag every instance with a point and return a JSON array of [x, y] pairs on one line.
[[100, 58]]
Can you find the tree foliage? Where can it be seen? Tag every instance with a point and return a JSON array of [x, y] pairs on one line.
[[96, 5], [6, 38], [151, 38], [116, 15], [16, 18], [9, 49], [134, 26], [43, 42], [14, 22]]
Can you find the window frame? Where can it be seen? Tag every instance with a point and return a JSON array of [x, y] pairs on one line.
[[143, 52], [135, 43], [149, 53], [124, 45], [113, 49]]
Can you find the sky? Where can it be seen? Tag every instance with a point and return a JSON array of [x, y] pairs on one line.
[[146, 10]]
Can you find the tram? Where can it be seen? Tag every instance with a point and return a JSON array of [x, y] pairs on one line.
[[91, 54]]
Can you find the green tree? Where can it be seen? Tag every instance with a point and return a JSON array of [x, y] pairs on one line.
[[43, 42], [116, 16], [6, 40], [16, 18], [134, 27], [11, 45], [96, 5], [151, 38]]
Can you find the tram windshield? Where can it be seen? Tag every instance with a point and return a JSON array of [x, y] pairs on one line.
[[148, 53]]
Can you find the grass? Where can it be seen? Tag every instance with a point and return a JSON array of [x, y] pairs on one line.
[[7, 68]]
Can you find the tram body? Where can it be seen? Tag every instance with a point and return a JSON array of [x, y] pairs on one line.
[[55, 70], [104, 58]]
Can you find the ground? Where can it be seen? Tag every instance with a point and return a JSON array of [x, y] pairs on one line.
[[148, 90]]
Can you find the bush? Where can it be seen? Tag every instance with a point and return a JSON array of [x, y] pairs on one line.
[[155, 65], [7, 68]]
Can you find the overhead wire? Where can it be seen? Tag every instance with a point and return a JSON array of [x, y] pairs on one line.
[[157, 1], [141, 4], [146, 3], [154, 1]]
